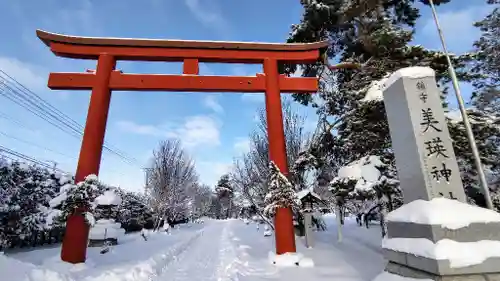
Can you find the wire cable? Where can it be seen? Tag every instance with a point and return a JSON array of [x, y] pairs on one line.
[[25, 98]]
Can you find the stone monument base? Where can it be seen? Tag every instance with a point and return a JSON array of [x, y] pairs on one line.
[[442, 240], [408, 272]]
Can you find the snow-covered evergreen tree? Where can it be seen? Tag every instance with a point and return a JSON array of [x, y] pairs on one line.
[[281, 193], [81, 195], [133, 212], [487, 51], [224, 191], [376, 38]]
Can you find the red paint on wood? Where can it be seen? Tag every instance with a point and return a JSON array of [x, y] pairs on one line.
[[74, 246], [283, 222], [191, 66], [181, 83], [178, 54]]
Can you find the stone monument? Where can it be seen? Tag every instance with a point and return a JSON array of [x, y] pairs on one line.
[[435, 214]]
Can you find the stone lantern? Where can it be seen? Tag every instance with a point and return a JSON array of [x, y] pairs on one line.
[[308, 199]]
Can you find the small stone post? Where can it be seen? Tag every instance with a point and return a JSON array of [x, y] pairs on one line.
[[427, 169], [308, 224]]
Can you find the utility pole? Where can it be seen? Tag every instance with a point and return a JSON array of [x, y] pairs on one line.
[[147, 174], [461, 105]]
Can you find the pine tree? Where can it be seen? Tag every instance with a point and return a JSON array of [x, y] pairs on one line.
[[224, 191], [9, 208], [81, 195], [487, 51], [376, 37], [281, 193], [133, 212]]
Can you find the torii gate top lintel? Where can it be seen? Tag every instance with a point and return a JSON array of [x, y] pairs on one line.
[[170, 50]]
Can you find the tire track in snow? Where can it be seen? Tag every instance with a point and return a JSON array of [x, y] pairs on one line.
[[205, 259], [226, 271], [174, 251]]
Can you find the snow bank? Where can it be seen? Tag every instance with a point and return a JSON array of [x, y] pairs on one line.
[[414, 72], [386, 276], [290, 260], [15, 270], [443, 211], [460, 254]]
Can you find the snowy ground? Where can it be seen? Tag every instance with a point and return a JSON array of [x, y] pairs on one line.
[[214, 251]]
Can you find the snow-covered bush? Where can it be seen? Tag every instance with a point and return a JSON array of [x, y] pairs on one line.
[[77, 196], [25, 214], [280, 194], [34, 204]]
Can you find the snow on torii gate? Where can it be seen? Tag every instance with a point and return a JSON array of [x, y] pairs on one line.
[[107, 51]]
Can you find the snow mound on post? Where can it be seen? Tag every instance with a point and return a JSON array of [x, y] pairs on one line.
[[443, 211], [459, 254], [414, 72], [290, 260]]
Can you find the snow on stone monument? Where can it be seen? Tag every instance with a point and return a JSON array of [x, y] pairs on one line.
[[436, 235], [420, 137]]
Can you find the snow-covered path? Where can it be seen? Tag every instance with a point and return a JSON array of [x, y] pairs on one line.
[[225, 250], [206, 258], [357, 258]]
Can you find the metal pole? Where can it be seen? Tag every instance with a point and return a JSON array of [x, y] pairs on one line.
[[460, 100]]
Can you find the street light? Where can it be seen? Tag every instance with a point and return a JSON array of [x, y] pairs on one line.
[[460, 100]]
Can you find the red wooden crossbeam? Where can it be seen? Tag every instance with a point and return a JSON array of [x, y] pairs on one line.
[[178, 54], [180, 83], [178, 50]]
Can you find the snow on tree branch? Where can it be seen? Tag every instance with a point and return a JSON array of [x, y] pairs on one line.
[[281, 193]]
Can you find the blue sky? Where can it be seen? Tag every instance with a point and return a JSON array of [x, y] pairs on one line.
[[213, 127]]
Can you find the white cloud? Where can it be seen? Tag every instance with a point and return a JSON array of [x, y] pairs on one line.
[[208, 14], [241, 145], [457, 27], [199, 130], [194, 131], [27, 74], [211, 102]]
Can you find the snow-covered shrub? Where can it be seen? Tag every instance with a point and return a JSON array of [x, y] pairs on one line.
[[74, 196], [280, 194]]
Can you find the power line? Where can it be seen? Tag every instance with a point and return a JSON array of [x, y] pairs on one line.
[[36, 145], [44, 110], [24, 98], [5, 150], [48, 149]]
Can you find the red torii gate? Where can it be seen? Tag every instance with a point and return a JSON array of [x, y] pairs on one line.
[[107, 51]]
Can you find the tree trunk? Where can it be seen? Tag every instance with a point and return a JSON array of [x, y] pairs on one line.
[[382, 214]]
